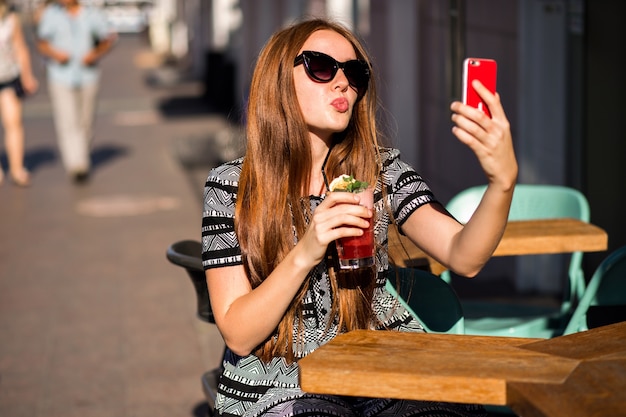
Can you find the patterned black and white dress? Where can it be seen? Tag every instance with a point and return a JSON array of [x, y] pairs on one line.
[[250, 387]]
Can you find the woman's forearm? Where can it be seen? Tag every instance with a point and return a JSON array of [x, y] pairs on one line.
[[473, 246], [249, 317]]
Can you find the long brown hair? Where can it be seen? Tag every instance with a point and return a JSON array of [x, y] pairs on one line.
[[276, 174]]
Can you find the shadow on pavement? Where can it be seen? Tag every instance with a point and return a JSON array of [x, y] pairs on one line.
[[104, 154], [34, 158], [37, 157], [185, 106]]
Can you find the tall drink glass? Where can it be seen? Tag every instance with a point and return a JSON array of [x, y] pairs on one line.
[[358, 251]]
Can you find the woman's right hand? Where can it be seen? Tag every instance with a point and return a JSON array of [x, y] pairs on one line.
[[489, 138], [339, 215]]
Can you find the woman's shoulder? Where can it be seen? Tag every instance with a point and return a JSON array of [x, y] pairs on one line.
[[388, 155], [227, 173], [391, 160], [394, 169]]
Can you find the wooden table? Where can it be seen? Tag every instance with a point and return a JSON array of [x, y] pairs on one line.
[[582, 374], [527, 237], [594, 388]]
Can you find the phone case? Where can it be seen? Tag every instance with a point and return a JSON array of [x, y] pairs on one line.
[[485, 71]]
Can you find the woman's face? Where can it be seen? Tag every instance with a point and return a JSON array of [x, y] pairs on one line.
[[327, 107]]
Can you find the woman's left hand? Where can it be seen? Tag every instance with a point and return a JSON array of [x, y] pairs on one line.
[[489, 138]]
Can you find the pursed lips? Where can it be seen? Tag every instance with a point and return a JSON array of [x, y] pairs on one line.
[[341, 104]]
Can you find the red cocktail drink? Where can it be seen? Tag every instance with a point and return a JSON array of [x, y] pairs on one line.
[[358, 251]]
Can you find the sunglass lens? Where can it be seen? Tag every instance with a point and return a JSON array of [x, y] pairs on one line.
[[322, 67], [356, 73]]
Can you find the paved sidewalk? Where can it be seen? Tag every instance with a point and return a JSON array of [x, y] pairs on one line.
[[94, 321]]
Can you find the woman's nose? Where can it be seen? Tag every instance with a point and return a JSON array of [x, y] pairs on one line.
[[340, 80]]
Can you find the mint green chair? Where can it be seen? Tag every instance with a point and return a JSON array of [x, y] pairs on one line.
[[428, 298], [530, 202], [604, 300]]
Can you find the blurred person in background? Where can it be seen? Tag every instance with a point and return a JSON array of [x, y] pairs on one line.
[[16, 80], [74, 38]]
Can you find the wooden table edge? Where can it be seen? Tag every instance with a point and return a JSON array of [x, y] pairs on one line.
[[403, 253]]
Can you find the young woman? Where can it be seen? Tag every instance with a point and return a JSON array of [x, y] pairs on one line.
[[16, 79], [269, 223]]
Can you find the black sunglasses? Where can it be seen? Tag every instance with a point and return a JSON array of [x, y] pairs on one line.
[[323, 68]]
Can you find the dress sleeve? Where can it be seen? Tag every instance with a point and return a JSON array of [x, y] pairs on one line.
[[405, 187], [220, 246]]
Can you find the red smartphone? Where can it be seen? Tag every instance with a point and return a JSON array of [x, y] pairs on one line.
[[485, 71]]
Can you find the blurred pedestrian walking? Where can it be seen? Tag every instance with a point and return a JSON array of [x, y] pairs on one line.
[[16, 80], [74, 38]]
